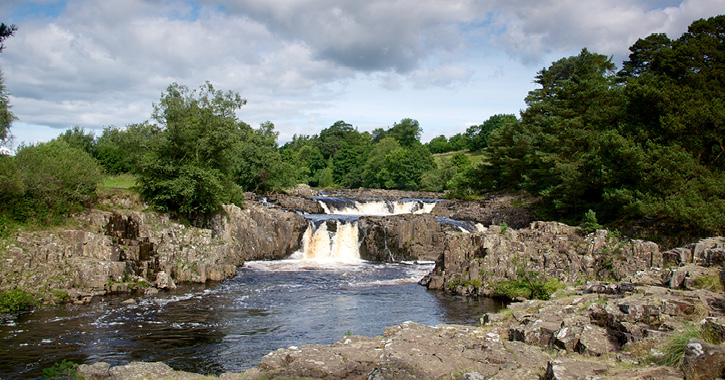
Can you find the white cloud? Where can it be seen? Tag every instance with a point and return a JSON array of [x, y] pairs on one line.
[[304, 64]]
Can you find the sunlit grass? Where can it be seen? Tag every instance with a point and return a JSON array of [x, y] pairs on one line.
[[118, 182]]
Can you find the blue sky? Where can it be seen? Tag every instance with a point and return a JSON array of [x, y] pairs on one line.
[[305, 64]]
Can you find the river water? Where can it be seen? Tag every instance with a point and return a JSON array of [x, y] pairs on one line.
[[321, 295], [229, 326]]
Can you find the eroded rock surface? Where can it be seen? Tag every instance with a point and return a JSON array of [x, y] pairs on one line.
[[120, 252]]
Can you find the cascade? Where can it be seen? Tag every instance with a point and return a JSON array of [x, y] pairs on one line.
[[378, 207], [334, 235], [320, 244]]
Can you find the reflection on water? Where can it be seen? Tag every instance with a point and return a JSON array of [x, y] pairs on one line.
[[228, 327]]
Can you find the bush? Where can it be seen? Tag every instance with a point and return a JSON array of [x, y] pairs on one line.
[[57, 180], [62, 370], [530, 286], [15, 300]]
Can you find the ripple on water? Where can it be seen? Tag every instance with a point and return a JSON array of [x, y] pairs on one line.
[[230, 326]]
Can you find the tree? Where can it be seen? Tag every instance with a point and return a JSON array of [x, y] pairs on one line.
[[6, 117], [5, 32], [189, 170], [407, 132], [258, 163], [374, 173], [120, 150], [478, 135], [404, 167], [554, 151], [78, 138], [438, 145]]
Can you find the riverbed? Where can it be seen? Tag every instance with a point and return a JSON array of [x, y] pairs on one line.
[[229, 326]]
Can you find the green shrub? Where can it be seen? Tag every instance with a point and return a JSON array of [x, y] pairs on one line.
[[57, 180], [530, 286], [590, 223], [15, 300], [504, 227], [66, 370]]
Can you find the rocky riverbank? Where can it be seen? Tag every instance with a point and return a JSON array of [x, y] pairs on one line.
[[123, 251], [660, 315], [595, 331]]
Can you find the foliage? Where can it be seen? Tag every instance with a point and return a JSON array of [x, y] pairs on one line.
[[531, 286], [404, 167], [406, 133], [590, 223], [478, 135], [5, 32], [258, 165], [47, 181], [120, 150], [6, 117], [15, 300], [189, 168], [647, 142], [66, 370], [77, 137]]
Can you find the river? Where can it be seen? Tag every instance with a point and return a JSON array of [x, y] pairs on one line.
[[230, 326]]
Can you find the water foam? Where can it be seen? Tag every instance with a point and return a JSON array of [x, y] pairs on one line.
[[319, 244]]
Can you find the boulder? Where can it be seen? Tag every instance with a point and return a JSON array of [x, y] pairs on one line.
[[572, 369], [703, 361], [164, 281]]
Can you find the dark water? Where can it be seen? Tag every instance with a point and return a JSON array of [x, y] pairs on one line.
[[229, 326]]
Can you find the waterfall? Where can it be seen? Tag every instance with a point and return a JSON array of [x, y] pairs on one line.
[[377, 207], [333, 237], [319, 244]]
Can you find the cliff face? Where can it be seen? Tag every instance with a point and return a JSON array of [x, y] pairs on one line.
[[116, 252], [400, 237], [475, 263]]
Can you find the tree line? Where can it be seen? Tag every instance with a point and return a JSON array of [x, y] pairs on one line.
[[642, 143]]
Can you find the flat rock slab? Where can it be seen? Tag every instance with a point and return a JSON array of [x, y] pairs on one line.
[[411, 351]]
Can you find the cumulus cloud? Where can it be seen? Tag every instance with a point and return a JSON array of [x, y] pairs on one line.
[[94, 63]]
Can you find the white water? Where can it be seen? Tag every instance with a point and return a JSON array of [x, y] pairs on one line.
[[319, 244], [379, 208], [342, 246]]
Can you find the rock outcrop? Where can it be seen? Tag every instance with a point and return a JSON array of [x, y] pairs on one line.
[[120, 252], [400, 237], [475, 263], [511, 210]]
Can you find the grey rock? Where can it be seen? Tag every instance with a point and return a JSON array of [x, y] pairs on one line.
[[571, 369], [97, 371], [703, 361]]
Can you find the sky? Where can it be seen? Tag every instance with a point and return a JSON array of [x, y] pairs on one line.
[[305, 64]]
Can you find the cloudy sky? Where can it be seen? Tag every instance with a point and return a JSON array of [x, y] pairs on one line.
[[304, 64]]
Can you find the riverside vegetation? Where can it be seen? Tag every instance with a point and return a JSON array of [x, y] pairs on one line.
[[640, 149]]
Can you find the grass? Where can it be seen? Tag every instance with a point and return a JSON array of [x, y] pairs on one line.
[[674, 350], [118, 182], [711, 283]]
